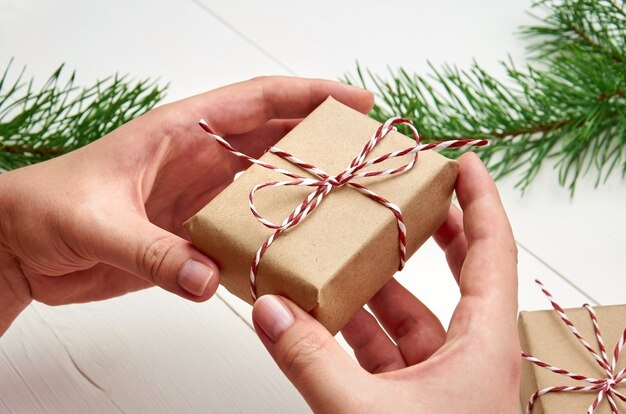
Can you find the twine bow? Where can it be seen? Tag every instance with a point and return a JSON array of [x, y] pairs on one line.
[[324, 183], [605, 387]]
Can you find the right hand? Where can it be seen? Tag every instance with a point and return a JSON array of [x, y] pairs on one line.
[[413, 365]]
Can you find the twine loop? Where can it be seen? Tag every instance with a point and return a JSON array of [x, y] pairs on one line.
[[324, 183], [605, 387]]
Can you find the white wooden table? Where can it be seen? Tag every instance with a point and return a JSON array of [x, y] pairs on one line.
[[151, 352]]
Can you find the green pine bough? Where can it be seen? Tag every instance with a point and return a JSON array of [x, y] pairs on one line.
[[40, 123], [567, 104]]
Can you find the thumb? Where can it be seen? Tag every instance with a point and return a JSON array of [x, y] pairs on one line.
[[160, 257], [307, 354]]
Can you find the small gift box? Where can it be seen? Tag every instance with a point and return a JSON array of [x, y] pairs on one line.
[[333, 262], [572, 360]]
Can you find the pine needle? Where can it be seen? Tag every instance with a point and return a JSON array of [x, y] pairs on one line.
[[568, 104], [40, 123]]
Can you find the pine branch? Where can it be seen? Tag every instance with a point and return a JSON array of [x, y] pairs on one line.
[[37, 124], [568, 104]]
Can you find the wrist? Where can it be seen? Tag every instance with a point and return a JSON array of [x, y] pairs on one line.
[[14, 288]]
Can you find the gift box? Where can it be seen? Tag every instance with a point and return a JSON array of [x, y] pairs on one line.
[[332, 263], [545, 336]]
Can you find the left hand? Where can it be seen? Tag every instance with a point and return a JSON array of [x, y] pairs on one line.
[[107, 219]]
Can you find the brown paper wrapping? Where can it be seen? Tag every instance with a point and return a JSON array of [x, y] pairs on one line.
[[543, 335], [340, 256]]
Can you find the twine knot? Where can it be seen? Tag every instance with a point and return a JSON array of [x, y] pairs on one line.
[[340, 180], [609, 384], [325, 183], [605, 387]]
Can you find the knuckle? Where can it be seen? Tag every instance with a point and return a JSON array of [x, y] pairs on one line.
[[262, 79], [511, 372], [385, 365], [302, 353], [153, 258], [406, 325], [515, 251], [266, 86], [50, 299], [514, 364], [49, 296], [511, 245], [270, 82]]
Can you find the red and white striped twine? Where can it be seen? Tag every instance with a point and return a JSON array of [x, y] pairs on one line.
[[605, 387], [324, 182]]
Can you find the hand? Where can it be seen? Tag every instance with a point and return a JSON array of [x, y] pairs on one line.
[[107, 219], [413, 365]]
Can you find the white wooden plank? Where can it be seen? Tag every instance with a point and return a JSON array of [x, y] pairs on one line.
[[325, 38], [429, 278], [582, 238], [154, 352], [176, 42], [38, 375]]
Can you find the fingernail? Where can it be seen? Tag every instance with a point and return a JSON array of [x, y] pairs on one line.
[[273, 316], [194, 277]]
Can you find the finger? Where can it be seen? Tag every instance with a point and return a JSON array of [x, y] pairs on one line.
[[415, 329], [372, 347], [104, 282], [97, 283], [306, 352], [451, 238], [258, 141], [139, 247], [488, 280], [244, 106]]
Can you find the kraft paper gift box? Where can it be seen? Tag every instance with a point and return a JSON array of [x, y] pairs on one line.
[[333, 262], [545, 336]]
